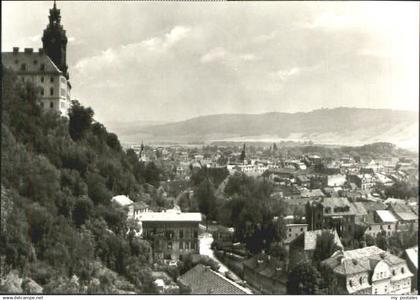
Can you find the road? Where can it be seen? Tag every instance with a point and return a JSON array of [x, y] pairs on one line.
[[206, 239]]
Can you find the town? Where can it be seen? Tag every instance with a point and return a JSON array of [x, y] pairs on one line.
[[85, 213]]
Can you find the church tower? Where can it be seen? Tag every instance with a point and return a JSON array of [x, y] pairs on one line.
[[54, 41]]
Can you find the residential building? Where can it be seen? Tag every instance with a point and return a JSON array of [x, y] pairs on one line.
[[266, 274], [293, 231], [381, 221], [303, 247], [367, 271], [172, 234], [411, 255], [332, 212]]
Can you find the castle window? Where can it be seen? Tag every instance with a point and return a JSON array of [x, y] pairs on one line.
[[51, 79], [51, 104], [42, 67], [402, 270], [51, 91], [35, 62], [42, 91], [42, 78], [16, 61], [23, 67]]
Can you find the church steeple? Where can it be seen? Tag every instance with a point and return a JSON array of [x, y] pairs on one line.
[[54, 40]]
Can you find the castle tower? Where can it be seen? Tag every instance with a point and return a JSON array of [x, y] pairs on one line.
[[54, 41]]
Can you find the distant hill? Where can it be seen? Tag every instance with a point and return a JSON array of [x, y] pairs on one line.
[[341, 126]]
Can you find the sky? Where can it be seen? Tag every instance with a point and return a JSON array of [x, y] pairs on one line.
[[170, 61]]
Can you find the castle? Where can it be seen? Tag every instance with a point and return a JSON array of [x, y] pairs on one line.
[[46, 69]]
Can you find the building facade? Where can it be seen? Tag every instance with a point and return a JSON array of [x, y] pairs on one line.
[[368, 271], [171, 234], [47, 68]]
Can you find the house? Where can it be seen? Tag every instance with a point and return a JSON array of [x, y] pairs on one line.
[[267, 274], [408, 219], [332, 212], [47, 68], [121, 200], [305, 193], [411, 255], [303, 180], [363, 181], [336, 180], [367, 271], [172, 234], [293, 231], [303, 247], [381, 221], [203, 280]]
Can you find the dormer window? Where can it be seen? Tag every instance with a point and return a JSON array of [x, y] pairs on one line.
[[351, 283]]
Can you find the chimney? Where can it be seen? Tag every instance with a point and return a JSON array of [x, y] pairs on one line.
[[15, 50], [29, 50]]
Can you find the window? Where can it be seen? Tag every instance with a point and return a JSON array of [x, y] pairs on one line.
[[62, 105], [393, 272], [42, 67], [51, 104], [181, 233], [195, 234], [51, 79], [35, 62], [402, 270], [290, 235], [361, 280], [290, 229], [42, 78], [169, 245], [301, 229], [192, 245], [23, 67], [350, 283], [370, 228], [42, 91], [389, 226], [51, 91]]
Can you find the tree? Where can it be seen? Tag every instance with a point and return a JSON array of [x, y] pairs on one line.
[[304, 279], [152, 174], [206, 200], [80, 120], [243, 155], [381, 241], [82, 211], [325, 246]]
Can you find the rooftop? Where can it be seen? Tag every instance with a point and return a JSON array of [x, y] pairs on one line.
[[169, 216], [203, 280]]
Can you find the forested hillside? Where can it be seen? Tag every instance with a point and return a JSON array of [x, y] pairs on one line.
[[59, 231]]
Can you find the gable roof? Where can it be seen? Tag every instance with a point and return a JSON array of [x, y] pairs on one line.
[[203, 280], [310, 238], [359, 260], [386, 216], [9, 59], [413, 255]]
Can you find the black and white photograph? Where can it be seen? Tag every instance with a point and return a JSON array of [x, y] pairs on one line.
[[209, 148]]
